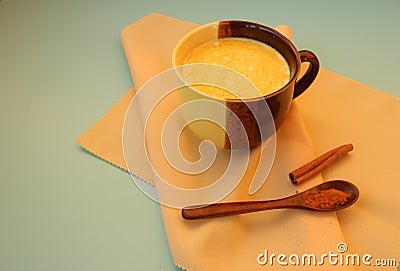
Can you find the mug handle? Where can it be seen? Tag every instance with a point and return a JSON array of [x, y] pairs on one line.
[[305, 81]]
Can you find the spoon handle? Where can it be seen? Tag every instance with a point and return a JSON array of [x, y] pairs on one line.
[[234, 208]]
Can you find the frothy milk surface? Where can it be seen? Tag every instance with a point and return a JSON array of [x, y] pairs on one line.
[[264, 66]]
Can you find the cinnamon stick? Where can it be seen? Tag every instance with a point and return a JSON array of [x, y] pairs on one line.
[[319, 164]]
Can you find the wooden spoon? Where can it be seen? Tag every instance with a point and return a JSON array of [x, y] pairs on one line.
[[298, 201]]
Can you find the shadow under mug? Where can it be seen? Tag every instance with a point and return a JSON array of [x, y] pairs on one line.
[[257, 128]]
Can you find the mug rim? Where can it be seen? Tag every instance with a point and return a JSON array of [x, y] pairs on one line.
[[261, 27]]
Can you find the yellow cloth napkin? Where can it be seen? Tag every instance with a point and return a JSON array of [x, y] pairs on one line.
[[335, 106], [338, 109]]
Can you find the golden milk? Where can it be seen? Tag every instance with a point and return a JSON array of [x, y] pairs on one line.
[[261, 64]]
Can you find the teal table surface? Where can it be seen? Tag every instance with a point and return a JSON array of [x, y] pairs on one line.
[[62, 67]]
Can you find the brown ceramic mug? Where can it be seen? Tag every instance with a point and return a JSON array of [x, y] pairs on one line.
[[245, 110]]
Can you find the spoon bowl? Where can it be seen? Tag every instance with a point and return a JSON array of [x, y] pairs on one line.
[[348, 188], [298, 201]]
